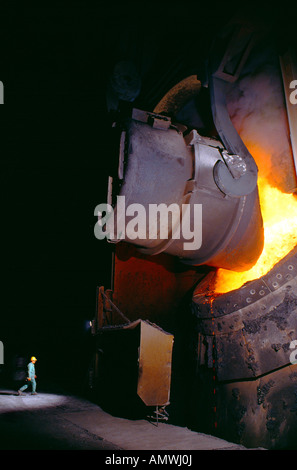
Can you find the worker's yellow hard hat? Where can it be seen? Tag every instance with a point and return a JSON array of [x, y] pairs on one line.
[[33, 358]]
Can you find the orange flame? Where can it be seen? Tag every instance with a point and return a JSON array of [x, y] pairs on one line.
[[279, 212]]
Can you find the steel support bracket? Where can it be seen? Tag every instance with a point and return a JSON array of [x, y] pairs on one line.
[[222, 72]]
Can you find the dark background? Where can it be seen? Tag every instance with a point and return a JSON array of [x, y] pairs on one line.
[[56, 152]]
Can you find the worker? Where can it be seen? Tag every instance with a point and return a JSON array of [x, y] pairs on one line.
[[31, 378]]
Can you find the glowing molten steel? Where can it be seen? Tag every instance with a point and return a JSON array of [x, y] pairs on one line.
[[279, 212]]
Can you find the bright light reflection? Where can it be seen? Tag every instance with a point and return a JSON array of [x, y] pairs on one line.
[[11, 402]]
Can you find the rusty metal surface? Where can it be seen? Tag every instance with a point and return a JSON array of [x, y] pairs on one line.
[[260, 413], [252, 328], [282, 273], [244, 358], [179, 95], [159, 285]]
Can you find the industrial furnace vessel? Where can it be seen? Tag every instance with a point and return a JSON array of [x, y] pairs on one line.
[[232, 356]]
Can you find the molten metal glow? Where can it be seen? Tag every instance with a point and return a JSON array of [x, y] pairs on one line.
[[279, 212]]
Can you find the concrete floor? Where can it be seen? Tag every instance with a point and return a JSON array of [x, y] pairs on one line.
[[49, 421]]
